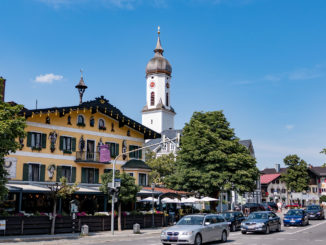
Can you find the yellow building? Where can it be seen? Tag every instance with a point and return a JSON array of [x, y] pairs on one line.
[[66, 141]]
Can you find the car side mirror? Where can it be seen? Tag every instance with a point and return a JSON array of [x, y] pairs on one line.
[[207, 223], [174, 223]]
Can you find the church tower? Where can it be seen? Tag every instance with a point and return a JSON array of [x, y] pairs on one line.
[[158, 113]]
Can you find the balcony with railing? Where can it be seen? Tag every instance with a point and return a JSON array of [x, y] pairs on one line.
[[84, 156]]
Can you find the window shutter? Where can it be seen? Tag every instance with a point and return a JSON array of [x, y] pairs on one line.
[[73, 144], [59, 173], [25, 172], [61, 143], [83, 177], [43, 140], [42, 175], [112, 153], [73, 175], [29, 139], [116, 150], [140, 154], [96, 173], [131, 154]]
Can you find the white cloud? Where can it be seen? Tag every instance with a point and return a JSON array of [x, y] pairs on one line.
[[123, 4], [48, 78], [289, 126]]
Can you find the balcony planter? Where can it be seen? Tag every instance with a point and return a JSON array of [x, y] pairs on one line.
[[67, 152], [81, 124], [102, 128], [36, 148]]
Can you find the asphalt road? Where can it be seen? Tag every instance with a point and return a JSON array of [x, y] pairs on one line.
[[314, 234]]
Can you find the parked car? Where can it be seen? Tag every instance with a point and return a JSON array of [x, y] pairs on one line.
[[267, 207], [315, 212], [234, 218], [273, 205], [265, 221], [296, 217], [197, 229], [253, 207], [293, 205]]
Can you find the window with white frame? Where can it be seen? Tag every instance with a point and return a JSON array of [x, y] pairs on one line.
[[80, 120], [101, 124], [142, 179]]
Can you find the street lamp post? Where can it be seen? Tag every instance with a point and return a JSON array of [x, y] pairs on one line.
[[153, 187]]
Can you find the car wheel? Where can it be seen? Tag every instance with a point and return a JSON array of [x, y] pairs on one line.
[[233, 227], [198, 240], [243, 232], [224, 237], [278, 229], [267, 230]]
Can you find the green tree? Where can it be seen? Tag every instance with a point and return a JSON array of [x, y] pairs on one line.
[[11, 129], [211, 158], [323, 152], [60, 190], [161, 167], [127, 193], [296, 177], [322, 198]]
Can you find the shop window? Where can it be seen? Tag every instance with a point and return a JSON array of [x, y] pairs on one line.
[[135, 154], [67, 144], [36, 141], [90, 175], [114, 149], [142, 179]]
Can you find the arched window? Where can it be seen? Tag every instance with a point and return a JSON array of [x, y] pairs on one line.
[[101, 124], [152, 98], [80, 120], [167, 99], [92, 122]]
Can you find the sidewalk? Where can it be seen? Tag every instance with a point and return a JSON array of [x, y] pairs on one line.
[[103, 234]]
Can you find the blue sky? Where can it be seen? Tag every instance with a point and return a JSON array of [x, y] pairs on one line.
[[263, 62]]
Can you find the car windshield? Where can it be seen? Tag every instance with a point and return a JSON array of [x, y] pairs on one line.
[[227, 215], [258, 216], [191, 220], [313, 208], [294, 212]]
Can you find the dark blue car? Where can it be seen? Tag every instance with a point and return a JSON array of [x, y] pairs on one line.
[[315, 212], [265, 222], [296, 217]]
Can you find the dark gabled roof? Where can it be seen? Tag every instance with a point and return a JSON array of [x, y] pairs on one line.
[[272, 171], [245, 143], [102, 105], [135, 163], [319, 171]]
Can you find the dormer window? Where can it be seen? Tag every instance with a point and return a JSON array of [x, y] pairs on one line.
[[101, 124], [80, 121]]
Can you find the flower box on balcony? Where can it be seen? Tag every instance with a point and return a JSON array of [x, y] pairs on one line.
[[81, 124]]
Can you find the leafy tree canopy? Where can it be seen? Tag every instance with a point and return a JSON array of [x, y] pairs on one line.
[[296, 177], [11, 129], [211, 158], [161, 167], [322, 198], [128, 189]]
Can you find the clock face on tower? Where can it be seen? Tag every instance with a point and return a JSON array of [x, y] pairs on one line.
[[152, 84]]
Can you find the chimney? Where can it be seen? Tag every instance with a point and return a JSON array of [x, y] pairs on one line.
[[2, 89], [277, 167]]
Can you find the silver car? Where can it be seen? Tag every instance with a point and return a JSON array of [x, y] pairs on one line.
[[197, 229]]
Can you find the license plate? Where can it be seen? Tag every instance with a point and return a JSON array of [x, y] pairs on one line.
[[292, 221], [172, 238], [251, 226], [311, 215]]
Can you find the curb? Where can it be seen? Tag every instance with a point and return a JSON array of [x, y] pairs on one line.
[[77, 236]]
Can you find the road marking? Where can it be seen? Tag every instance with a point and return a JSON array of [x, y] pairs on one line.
[[305, 228]]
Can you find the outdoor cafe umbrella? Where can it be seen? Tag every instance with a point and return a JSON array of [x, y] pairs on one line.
[[191, 200], [149, 199], [208, 199]]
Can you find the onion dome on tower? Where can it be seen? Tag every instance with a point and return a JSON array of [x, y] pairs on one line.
[[158, 64]]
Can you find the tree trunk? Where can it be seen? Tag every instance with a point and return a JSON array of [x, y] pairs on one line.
[[119, 217], [54, 215]]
